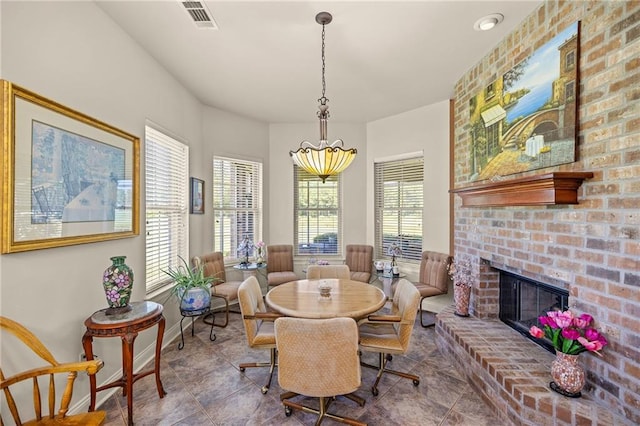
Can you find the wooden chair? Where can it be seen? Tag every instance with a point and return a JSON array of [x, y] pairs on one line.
[[54, 367], [359, 259]]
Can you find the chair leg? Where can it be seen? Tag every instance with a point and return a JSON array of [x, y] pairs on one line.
[[210, 318], [325, 402], [421, 318], [272, 365], [382, 368]]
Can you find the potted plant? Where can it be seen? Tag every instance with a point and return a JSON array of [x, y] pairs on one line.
[[191, 287]]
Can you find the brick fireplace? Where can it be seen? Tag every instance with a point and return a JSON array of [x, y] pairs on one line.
[[591, 249], [511, 372]]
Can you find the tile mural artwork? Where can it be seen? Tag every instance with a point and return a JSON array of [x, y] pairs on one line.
[[526, 119]]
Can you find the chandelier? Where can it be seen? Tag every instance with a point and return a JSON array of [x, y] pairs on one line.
[[324, 159]]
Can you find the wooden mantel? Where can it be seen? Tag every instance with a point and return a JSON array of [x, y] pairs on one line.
[[547, 189]]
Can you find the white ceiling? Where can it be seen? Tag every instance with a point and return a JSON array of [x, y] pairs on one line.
[[264, 62]]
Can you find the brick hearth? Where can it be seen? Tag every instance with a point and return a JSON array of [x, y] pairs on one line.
[[512, 374]]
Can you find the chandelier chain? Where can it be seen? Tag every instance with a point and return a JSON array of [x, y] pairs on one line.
[[323, 99]]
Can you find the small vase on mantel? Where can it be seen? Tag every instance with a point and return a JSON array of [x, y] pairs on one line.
[[567, 374], [117, 281]]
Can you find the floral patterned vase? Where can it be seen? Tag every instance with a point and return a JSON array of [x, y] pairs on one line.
[[568, 375], [195, 301], [461, 295], [118, 281]]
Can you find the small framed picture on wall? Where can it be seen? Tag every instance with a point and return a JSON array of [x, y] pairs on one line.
[[197, 196]]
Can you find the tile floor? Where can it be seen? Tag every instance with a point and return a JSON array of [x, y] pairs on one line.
[[205, 387]]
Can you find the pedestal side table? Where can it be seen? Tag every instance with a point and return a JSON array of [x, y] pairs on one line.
[[143, 315]]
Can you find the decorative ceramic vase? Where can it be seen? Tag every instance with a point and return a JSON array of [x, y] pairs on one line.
[[567, 374], [117, 282], [461, 295], [196, 300]]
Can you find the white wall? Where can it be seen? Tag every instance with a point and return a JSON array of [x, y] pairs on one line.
[[423, 129], [287, 137], [73, 53], [227, 135]]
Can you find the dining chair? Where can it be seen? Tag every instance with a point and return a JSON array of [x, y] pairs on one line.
[[50, 370], [227, 291], [316, 272], [433, 279], [359, 259], [280, 264], [391, 334], [318, 358], [258, 325]]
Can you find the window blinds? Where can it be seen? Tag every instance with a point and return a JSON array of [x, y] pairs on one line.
[[237, 203], [167, 205], [317, 215], [399, 194]]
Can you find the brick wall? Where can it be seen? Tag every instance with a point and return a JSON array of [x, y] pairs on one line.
[[592, 248]]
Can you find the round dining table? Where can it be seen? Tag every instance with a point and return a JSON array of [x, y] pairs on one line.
[[302, 299]]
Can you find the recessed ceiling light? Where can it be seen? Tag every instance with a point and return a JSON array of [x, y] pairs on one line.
[[488, 22]]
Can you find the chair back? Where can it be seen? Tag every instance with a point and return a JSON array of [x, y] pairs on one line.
[[434, 270], [48, 372], [279, 258], [251, 302], [316, 272], [359, 258], [405, 304], [318, 357], [213, 264]]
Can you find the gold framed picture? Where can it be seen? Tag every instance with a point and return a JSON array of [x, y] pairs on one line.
[[67, 178]]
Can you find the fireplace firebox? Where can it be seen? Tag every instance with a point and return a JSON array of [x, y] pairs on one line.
[[523, 300]]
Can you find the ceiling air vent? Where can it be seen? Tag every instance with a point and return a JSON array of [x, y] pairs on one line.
[[200, 15]]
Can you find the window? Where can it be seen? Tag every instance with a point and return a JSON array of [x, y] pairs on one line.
[[569, 91], [570, 60], [317, 218], [237, 204], [399, 198], [167, 205]]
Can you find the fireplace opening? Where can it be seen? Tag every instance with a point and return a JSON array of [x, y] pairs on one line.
[[523, 300]]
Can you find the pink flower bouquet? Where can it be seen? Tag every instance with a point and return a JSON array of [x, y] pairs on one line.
[[569, 334]]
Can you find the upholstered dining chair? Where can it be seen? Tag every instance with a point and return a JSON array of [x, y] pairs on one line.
[[280, 264], [359, 259], [318, 358], [258, 325], [316, 272], [227, 291], [391, 334], [434, 278], [49, 370]]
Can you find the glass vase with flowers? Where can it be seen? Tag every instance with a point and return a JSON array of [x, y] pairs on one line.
[[570, 335]]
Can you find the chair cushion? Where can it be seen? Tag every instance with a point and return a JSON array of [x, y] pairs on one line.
[[276, 278], [228, 289], [427, 290], [265, 337], [360, 276], [380, 338]]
